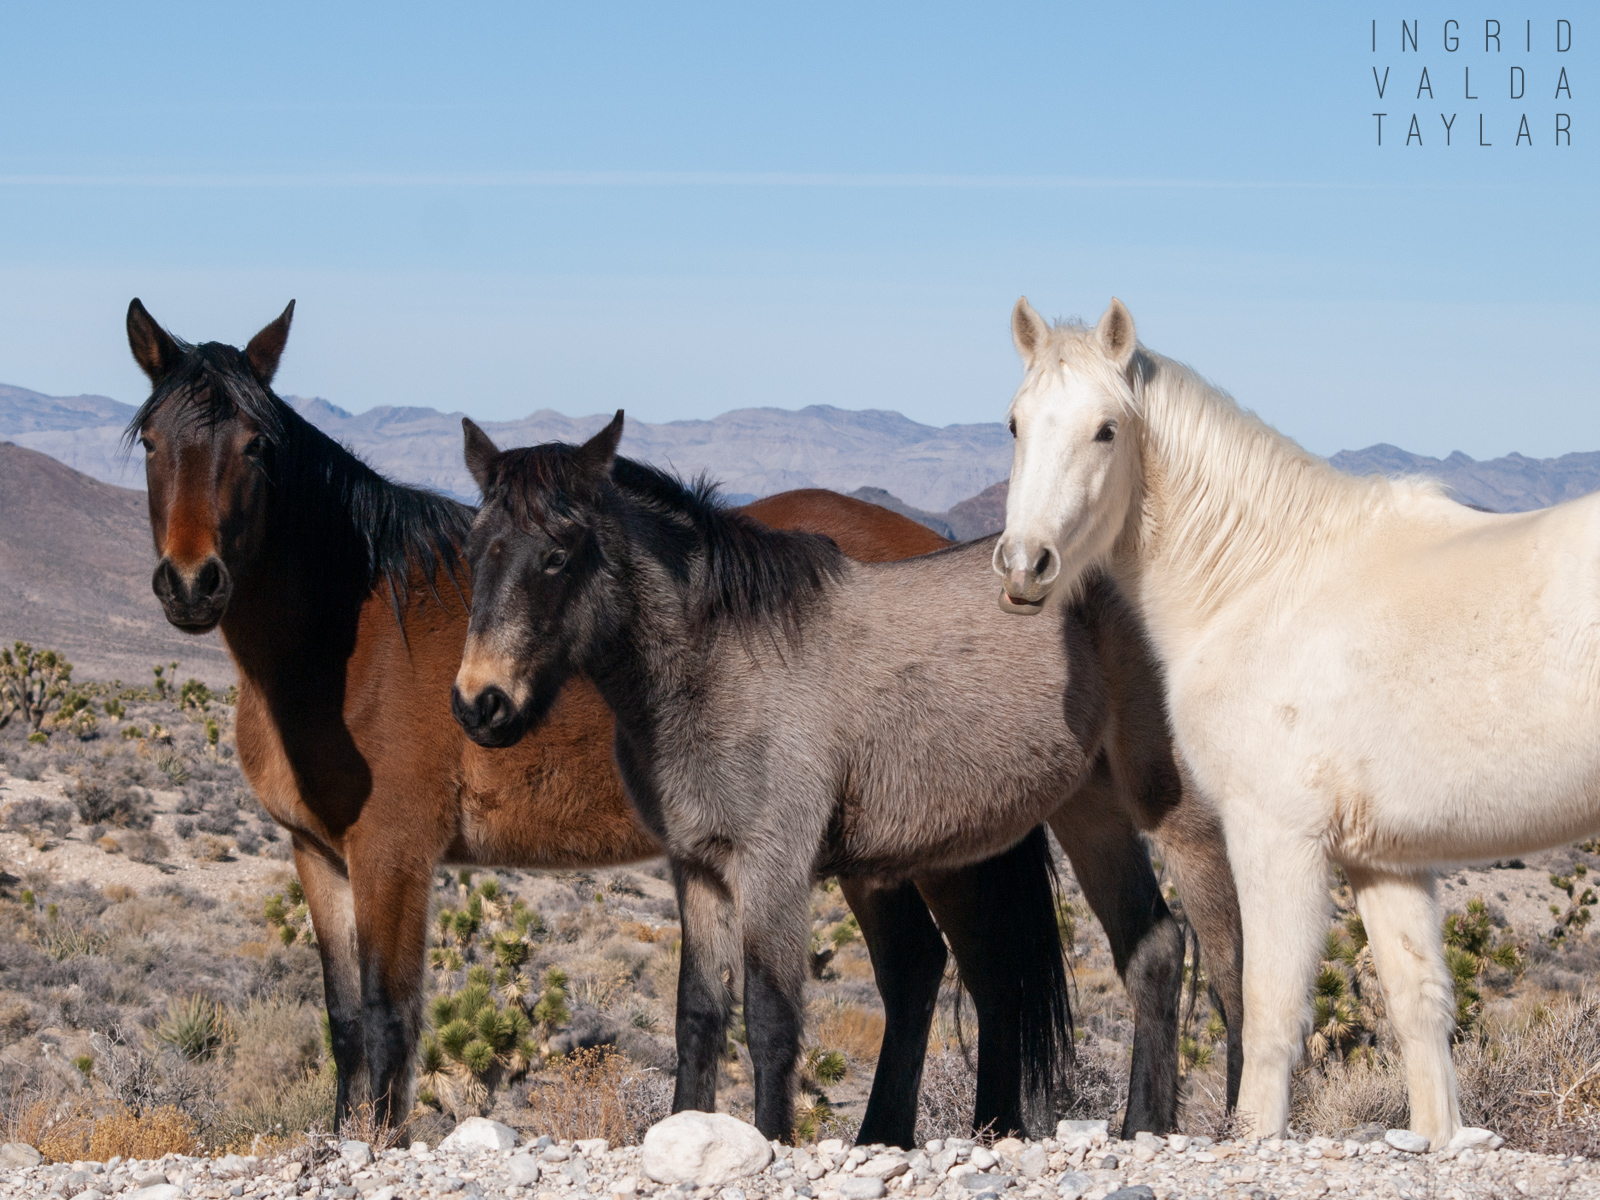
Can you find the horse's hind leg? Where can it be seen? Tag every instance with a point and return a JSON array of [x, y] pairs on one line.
[[1113, 868], [1000, 917], [1401, 916], [908, 958], [328, 898], [706, 975]]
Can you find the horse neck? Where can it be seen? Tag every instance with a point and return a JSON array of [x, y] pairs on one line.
[[674, 618], [1225, 504], [294, 612], [290, 617], [648, 654]]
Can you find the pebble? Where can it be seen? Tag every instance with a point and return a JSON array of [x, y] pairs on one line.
[[1405, 1140], [859, 1187], [357, 1154]]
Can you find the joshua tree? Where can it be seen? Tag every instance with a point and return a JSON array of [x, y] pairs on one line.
[[32, 682]]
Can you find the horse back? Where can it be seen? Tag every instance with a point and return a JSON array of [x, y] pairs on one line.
[[865, 532]]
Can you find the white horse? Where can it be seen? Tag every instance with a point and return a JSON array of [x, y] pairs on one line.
[[1359, 671]]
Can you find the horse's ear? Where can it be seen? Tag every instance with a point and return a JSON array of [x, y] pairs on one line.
[[1028, 330], [1116, 335], [600, 451], [479, 452], [154, 349], [266, 348]]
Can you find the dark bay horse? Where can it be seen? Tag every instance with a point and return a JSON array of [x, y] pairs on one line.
[[785, 713], [336, 594]]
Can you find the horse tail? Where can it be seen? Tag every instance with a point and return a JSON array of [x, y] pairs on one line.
[[1039, 960]]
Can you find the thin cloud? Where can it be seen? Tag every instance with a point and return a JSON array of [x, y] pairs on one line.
[[648, 179]]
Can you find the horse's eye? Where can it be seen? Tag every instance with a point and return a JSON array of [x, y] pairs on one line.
[[555, 560], [1013, 427], [1107, 432], [255, 448], [149, 446]]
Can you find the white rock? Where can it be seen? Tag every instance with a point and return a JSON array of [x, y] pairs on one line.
[[626, 1186], [1073, 1184], [731, 1193], [707, 1149], [1177, 1142], [524, 1169], [479, 1133], [90, 1194], [592, 1147], [234, 1164], [858, 1187], [982, 1158], [1033, 1161], [1475, 1138], [1405, 1140], [357, 1154], [386, 1192], [885, 1166], [419, 1149], [1008, 1146], [1095, 1131], [19, 1154], [160, 1191]]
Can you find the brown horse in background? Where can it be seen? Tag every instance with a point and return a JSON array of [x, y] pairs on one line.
[[337, 595]]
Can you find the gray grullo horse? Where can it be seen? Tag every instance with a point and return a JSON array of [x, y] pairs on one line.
[[784, 713]]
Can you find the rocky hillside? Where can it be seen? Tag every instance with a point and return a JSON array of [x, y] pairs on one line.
[[75, 564]]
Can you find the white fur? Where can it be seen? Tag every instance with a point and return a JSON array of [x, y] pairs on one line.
[[1359, 671]]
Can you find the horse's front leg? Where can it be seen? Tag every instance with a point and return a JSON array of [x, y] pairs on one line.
[[391, 883], [774, 905], [1113, 868], [706, 975], [327, 889], [1401, 916], [1284, 905], [908, 958]]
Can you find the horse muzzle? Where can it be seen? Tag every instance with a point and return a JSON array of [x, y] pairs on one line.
[[1025, 577], [194, 599], [489, 718]]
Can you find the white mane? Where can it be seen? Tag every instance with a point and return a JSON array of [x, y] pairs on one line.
[[1226, 496]]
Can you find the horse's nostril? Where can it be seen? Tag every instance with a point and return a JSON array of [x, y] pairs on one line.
[[494, 708], [1043, 565], [208, 579]]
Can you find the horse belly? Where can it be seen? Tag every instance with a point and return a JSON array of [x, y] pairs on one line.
[[1468, 732]]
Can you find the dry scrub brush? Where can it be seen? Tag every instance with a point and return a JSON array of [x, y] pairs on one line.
[[1533, 1077], [598, 1093]]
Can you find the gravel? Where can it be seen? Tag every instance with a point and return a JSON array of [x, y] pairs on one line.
[[1074, 1167]]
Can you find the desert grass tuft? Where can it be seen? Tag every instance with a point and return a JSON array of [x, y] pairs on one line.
[[597, 1093]]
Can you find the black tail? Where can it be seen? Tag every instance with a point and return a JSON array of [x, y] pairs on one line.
[[1033, 955]]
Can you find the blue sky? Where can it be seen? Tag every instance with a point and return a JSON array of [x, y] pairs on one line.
[[682, 209]]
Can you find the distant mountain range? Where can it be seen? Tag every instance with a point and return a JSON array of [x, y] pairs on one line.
[[951, 478]]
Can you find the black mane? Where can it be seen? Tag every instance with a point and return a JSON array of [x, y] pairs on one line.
[[387, 531], [750, 574]]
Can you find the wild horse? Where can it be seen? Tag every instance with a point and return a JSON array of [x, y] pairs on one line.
[[785, 713], [1361, 672], [336, 593]]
